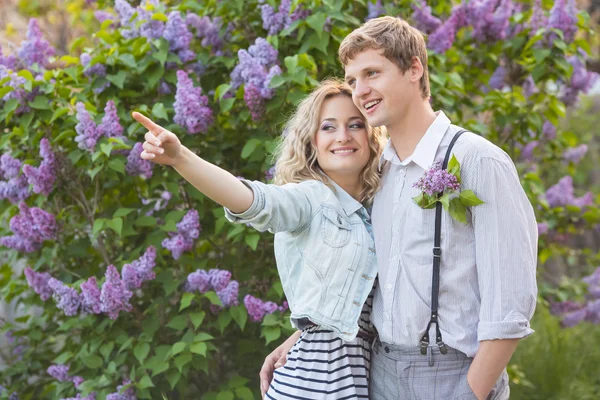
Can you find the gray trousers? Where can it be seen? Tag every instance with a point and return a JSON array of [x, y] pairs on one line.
[[406, 374]]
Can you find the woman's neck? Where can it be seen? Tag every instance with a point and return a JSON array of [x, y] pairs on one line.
[[351, 185]]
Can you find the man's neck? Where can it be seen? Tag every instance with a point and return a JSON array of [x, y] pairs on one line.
[[406, 133]]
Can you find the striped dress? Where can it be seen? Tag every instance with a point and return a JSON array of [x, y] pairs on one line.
[[322, 366]]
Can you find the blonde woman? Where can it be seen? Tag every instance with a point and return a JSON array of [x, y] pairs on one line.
[[326, 176]]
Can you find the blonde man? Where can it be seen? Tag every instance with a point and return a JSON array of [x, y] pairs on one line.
[[487, 288]]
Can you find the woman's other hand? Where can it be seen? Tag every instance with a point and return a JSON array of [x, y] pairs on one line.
[[160, 146]]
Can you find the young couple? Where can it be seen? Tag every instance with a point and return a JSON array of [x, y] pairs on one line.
[[448, 315]]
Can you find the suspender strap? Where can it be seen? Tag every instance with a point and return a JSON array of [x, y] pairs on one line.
[[437, 254]]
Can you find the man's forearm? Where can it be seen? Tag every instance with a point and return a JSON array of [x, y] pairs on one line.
[[489, 362], [214, 182]]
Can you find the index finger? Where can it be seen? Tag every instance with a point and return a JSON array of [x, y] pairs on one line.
[[147, 122]]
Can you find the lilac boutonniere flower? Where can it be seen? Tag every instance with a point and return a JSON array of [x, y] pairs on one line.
[[443, 185]]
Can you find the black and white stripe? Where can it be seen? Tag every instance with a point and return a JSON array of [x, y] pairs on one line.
[[322, 366]]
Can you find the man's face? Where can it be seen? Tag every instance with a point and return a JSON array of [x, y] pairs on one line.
[[380, 90]]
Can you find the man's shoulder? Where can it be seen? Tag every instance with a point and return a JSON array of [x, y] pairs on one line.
[[473, 147]]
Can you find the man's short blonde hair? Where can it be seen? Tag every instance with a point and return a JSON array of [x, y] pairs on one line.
[[399, 41]]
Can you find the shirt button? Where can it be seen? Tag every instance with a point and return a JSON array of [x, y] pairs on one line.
[[388, 286]]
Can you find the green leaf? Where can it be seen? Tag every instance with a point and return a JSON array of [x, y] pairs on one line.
[[121, 212], [116, 224], [221, 90], [40, 103], [125, 345], [118, 79], [244, 393], [203, 337], [317, 21], [445, 200], [159, 110], [453, 165], [239, 315], [252, 240], [145, 382], [469, 199], [173, 376], [160, 17], [226, 104], [223, 320], [182, 360], [10, 105], [92, 361], [128, 60], [4, 90], [186, 300], [25, 73], [271, 333], [106, 148], [98, 225], [178, 323], [249, 147], [145, 220], [213, 298], [117, 164], [458, 211], [59, 112], [159, 367], [63, 358], [163, 51], [197, 318], [199, 348], [225, 395], [178, 348], [291, 63], [141, 352]]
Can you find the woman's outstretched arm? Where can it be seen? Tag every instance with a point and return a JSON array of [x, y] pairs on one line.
[[163, 147]]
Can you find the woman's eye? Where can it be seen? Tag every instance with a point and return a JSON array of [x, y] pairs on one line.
[[357, 126], [327, 128]]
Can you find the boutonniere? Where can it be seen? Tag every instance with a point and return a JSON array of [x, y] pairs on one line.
[[443, 185]]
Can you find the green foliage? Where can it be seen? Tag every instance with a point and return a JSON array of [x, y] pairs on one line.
[[172, 345]]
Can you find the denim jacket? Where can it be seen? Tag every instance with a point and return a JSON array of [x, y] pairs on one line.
[[324, 250]]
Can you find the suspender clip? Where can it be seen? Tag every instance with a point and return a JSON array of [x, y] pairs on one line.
[[424, 345], [437, 252], [442, 346]]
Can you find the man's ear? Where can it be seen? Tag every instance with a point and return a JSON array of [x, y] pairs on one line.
[[416, 69]]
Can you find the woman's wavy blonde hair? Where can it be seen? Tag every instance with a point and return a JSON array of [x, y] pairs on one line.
[[296, 154]]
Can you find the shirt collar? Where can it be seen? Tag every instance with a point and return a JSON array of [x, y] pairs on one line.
[[424, 154], [349, 203]]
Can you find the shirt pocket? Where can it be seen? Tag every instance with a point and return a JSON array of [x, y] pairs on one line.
[[335, 228]]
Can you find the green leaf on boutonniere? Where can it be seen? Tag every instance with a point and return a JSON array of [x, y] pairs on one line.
[[469, 199], [457, 210], [454, 167], [445, 200], [420, 200]]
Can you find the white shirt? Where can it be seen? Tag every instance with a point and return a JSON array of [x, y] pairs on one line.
[[487, 276]]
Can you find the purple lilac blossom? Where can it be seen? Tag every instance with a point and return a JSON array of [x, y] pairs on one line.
[[102, 16], [437, 180], [136, 166], [91, 396], [263, 52], [219, 278], [150, 28], [35, 49], [110, 125], [270, 174], [575, 154], [114, 296], [206, 29], [31, 228], [179, 37], [424, 20], [9, 61], [43, 177], [89, 71], [87, 132], [442, 38], [14, 187], [500, 22], [549, 130], [90, 296], [68, 299], [254, 101], [128, 394], [59, 372], [527, 150], [229, 294], [562, 194], [563, 16], [538, 18], [529, 87], [191, 107], [140, 270], [498, 78], [188, 229], [582, 80], [375, 9], [126, 12], [199, 281], [276, 21], [257, 308], [542, 228], [38, 281], [19, 93]]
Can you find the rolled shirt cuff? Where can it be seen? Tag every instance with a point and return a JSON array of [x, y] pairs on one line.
[[258, 203], [514, 326]]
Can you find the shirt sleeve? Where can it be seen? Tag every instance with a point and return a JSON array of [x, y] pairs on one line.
[[505, 249], [286, 208]]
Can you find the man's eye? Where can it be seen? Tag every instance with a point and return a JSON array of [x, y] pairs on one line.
[[371, 73]]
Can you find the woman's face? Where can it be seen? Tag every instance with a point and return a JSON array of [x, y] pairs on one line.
[[342, 140]]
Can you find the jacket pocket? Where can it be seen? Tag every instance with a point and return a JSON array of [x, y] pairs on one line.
[[336, 228]]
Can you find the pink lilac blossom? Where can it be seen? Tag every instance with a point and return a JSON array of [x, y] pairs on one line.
[[110, 125], [424, 20], [191, 107], [563, 16], [575, 154], [437, 180], [59, 372], [35, 49], [31, 228], [188, 229], [562, 194], [120, 394], [90, 297], [136, 166], [43, 177], [114, 296], [257, 309], [38, 281], [178, 36], [67, 298], [87, 131], [140, 270]]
